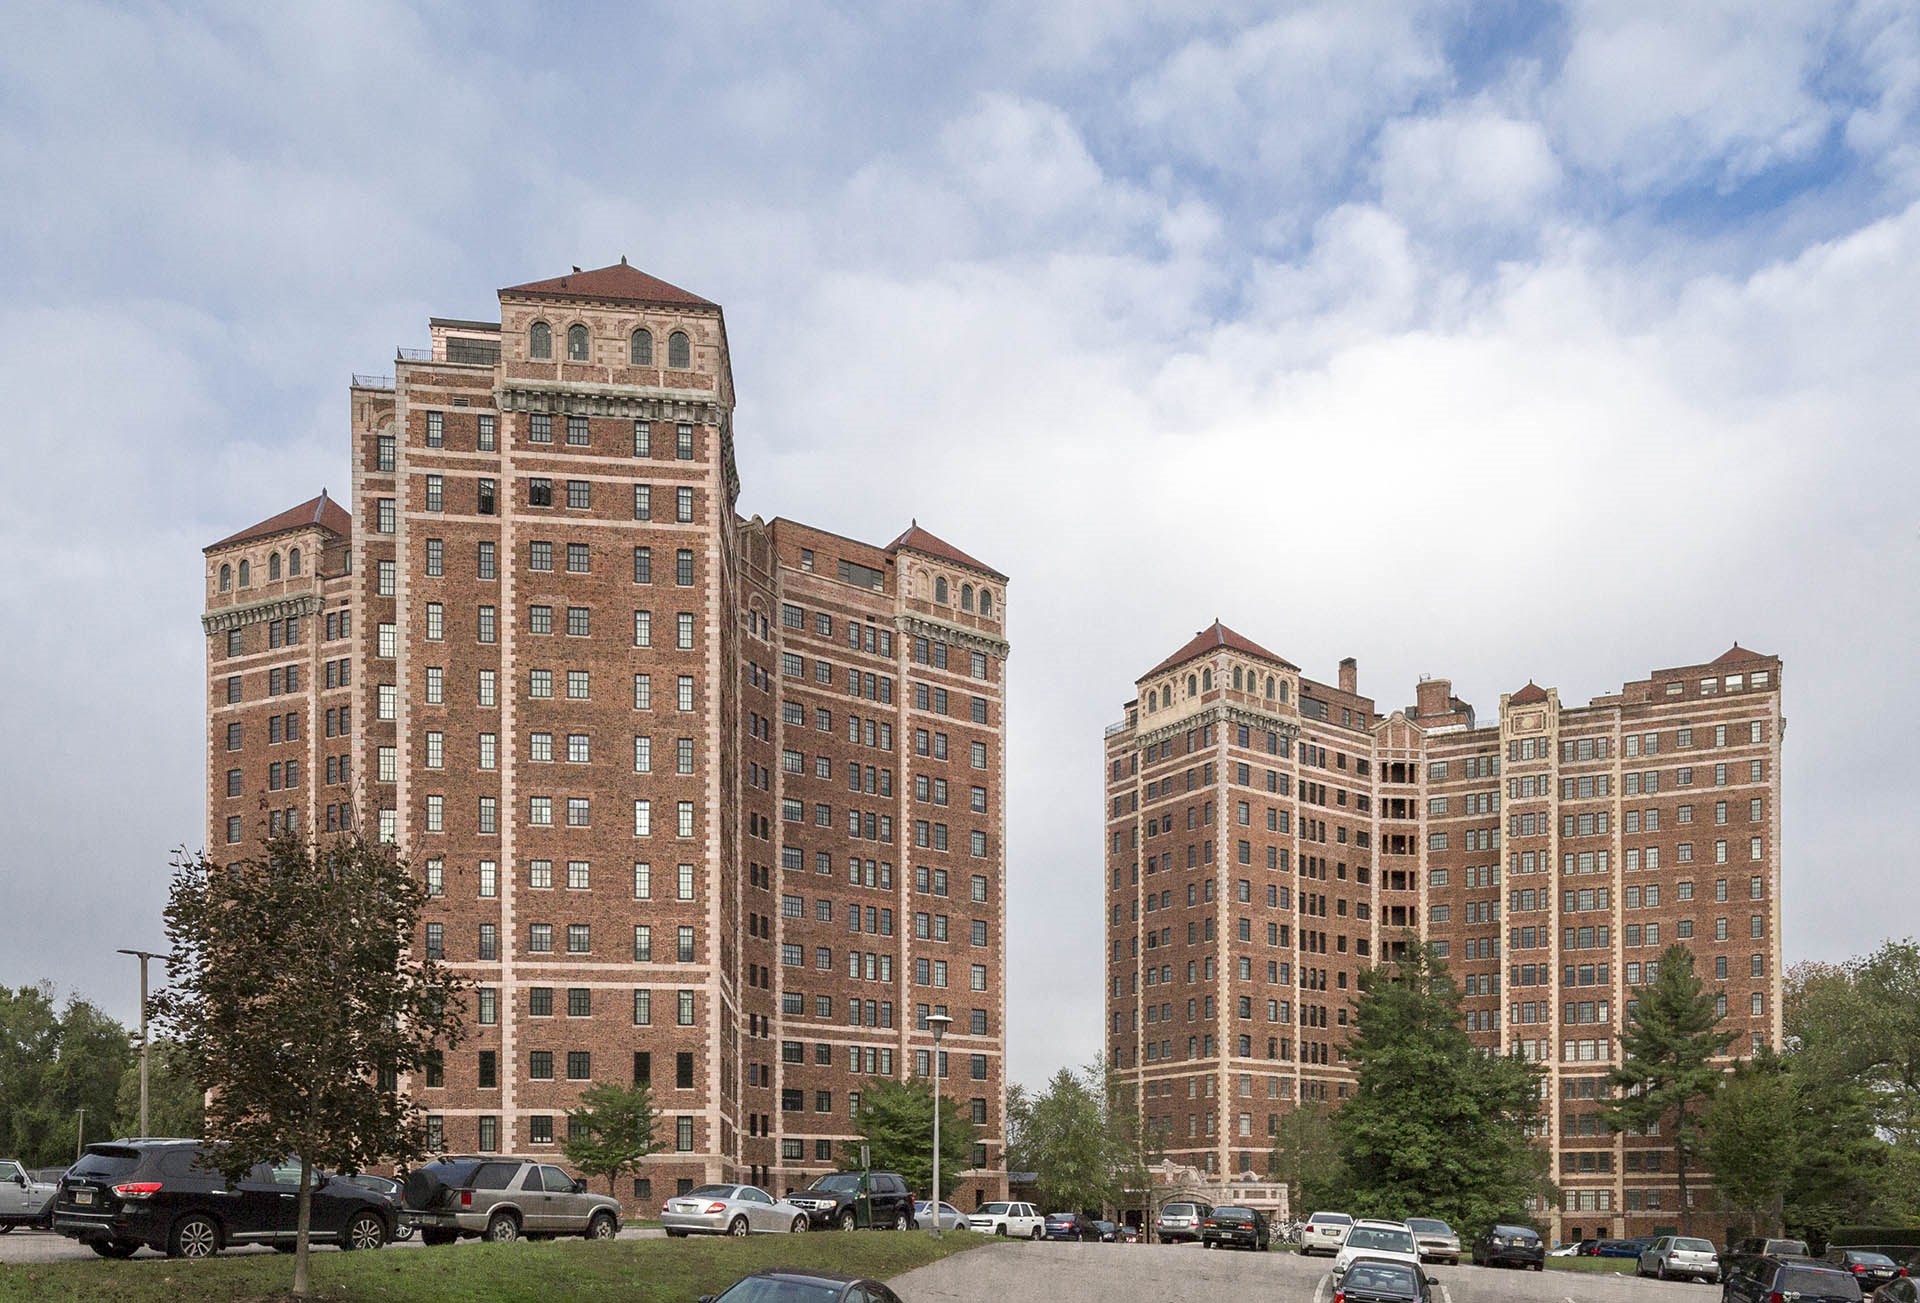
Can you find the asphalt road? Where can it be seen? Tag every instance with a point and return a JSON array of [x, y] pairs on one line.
[[1114, 1273]]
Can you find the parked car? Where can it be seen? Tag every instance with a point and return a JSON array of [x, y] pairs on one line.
[[1374, 1238], [1234, 1227], [1324, 1233], [1380, 1280], [1871, 1269], [1179, 1221], [845, 1200], [1020, 1220], [394, 1193], [1679, 1257], [1762, 1279], [1617, 1249], [1565, 1249], [23, 1200], [1069, 1226], [729, 1210], [1436, 1239], [503, 1199], [787, 1285], [169, 1195], [1510, 1246], [1742, 1254], [951, 1218], [1109, 1231], [1129, 1235], [1901, 1289]]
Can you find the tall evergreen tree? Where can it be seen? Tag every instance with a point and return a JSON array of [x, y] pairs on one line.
[[1667, 1071], [1434, 1127]]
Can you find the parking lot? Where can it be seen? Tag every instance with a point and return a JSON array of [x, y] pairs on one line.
[[1099, 1273]]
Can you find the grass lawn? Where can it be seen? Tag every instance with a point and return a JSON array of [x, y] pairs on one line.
[[1613, 1266], [640, 1271]]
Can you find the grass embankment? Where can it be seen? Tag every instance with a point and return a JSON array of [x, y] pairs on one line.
[[633, 1271], [1608, 1266]]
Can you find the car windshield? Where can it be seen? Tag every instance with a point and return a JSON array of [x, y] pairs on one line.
[[1178, 1210], [709, 1192], [1059, 1217], [1786, 1246], [1693, 1246], [1380, 1278], [1233, 1214], [106, 1164], [1429, 1226], [1331, 1219], [843, 1183], [1521, 1233], [1873, 1259], [995, 1207], [1379, 1237], [763, 1289], [1810, 1282]]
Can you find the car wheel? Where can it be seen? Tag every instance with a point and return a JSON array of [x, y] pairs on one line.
[[676, 1235], [503, 1229], [6, 1228], [900, 1221], [365, 1231], [1659, 1271], [435, 1239], [119, 1249], [1538, 1266], [848, 1221], [194, 1236], [737, 1227], [799, 1226], [1035, 1235]]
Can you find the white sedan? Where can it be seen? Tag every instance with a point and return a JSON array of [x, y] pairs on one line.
[[730, 1210], [951, 1218]]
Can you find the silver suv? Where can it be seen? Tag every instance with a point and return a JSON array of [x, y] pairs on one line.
[[504, 1199]]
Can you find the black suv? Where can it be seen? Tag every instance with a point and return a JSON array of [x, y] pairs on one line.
[[1744, 1255], [1756, 1280], [168, 1195], [845, 1200]]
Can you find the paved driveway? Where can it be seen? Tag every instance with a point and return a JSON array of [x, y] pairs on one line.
[[1114, 1273]]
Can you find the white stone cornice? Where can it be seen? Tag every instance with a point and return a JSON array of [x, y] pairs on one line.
[[927, 626], [1220, 712], [274, 608]]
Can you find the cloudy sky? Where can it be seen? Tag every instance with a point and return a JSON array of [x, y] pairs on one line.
[[1496, 341]]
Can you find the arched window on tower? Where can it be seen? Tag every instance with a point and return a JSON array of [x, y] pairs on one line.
[[966, 597], [640, 348], [226, 578], [1206, 680], [540, 340], [246, 574], [576, 343], [986, 601], [940, 590], [1236, 678], [679, 350], [273, 565], [293, 561], [1193, 686], [1269, 685], [1283, 691]]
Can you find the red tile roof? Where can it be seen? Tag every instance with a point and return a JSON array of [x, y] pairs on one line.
[[1217, 635], [322, 511], [1736, 653], [917, 539], [1528, 695], [620, 283]]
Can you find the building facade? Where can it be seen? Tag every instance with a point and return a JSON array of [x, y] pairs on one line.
[[708, 802], [1269, 836]]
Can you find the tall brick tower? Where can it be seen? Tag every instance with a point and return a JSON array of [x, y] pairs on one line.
[[651, 759]]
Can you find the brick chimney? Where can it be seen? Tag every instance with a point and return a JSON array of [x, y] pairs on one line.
[[1431, 697], [1350, 676]]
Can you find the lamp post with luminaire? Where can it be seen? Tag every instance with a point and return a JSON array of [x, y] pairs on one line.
[[937, 1023], [143, 956]]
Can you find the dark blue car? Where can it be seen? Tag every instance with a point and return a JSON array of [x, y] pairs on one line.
[[1070, 1226]]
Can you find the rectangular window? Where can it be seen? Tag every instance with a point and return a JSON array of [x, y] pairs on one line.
[[579, 495], [683, 567], [577, 431]]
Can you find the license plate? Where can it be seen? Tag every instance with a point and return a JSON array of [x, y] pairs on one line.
[[83, 1196]]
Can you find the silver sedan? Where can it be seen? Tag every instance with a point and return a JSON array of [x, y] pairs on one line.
[[730, 1210], [951, 1218]]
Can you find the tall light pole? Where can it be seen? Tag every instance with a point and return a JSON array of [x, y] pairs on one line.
[[143, 956], [937, 1023]]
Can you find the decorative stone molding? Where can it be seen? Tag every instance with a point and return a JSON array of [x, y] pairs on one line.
[[928, 627], [1220, 712], [274, 608], [578, 398]]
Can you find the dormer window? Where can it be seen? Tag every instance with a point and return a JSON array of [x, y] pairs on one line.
[[640, 348], [540, 341], [679, 350], [576, 343]]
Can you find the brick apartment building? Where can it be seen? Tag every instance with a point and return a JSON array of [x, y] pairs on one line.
[[1268, 836], [705, 801]]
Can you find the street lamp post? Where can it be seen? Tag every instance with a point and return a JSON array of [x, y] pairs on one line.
[[143, 956], [937, 1024]]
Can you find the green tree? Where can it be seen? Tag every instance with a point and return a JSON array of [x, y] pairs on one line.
[[1667, 1071], [1434, 1127], [1845, 1171], [1066, 1140], [612, 1131], [176, 1104], [896, 1122], [300, 996], [55, 1061], [1749, 1140], [1306, 1158]]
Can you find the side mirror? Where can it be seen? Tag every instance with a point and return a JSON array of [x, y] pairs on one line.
[[707, 1298], [1433, 1280], [579, 1186]]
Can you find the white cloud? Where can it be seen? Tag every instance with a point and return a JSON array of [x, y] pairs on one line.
[[1470, 169]]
